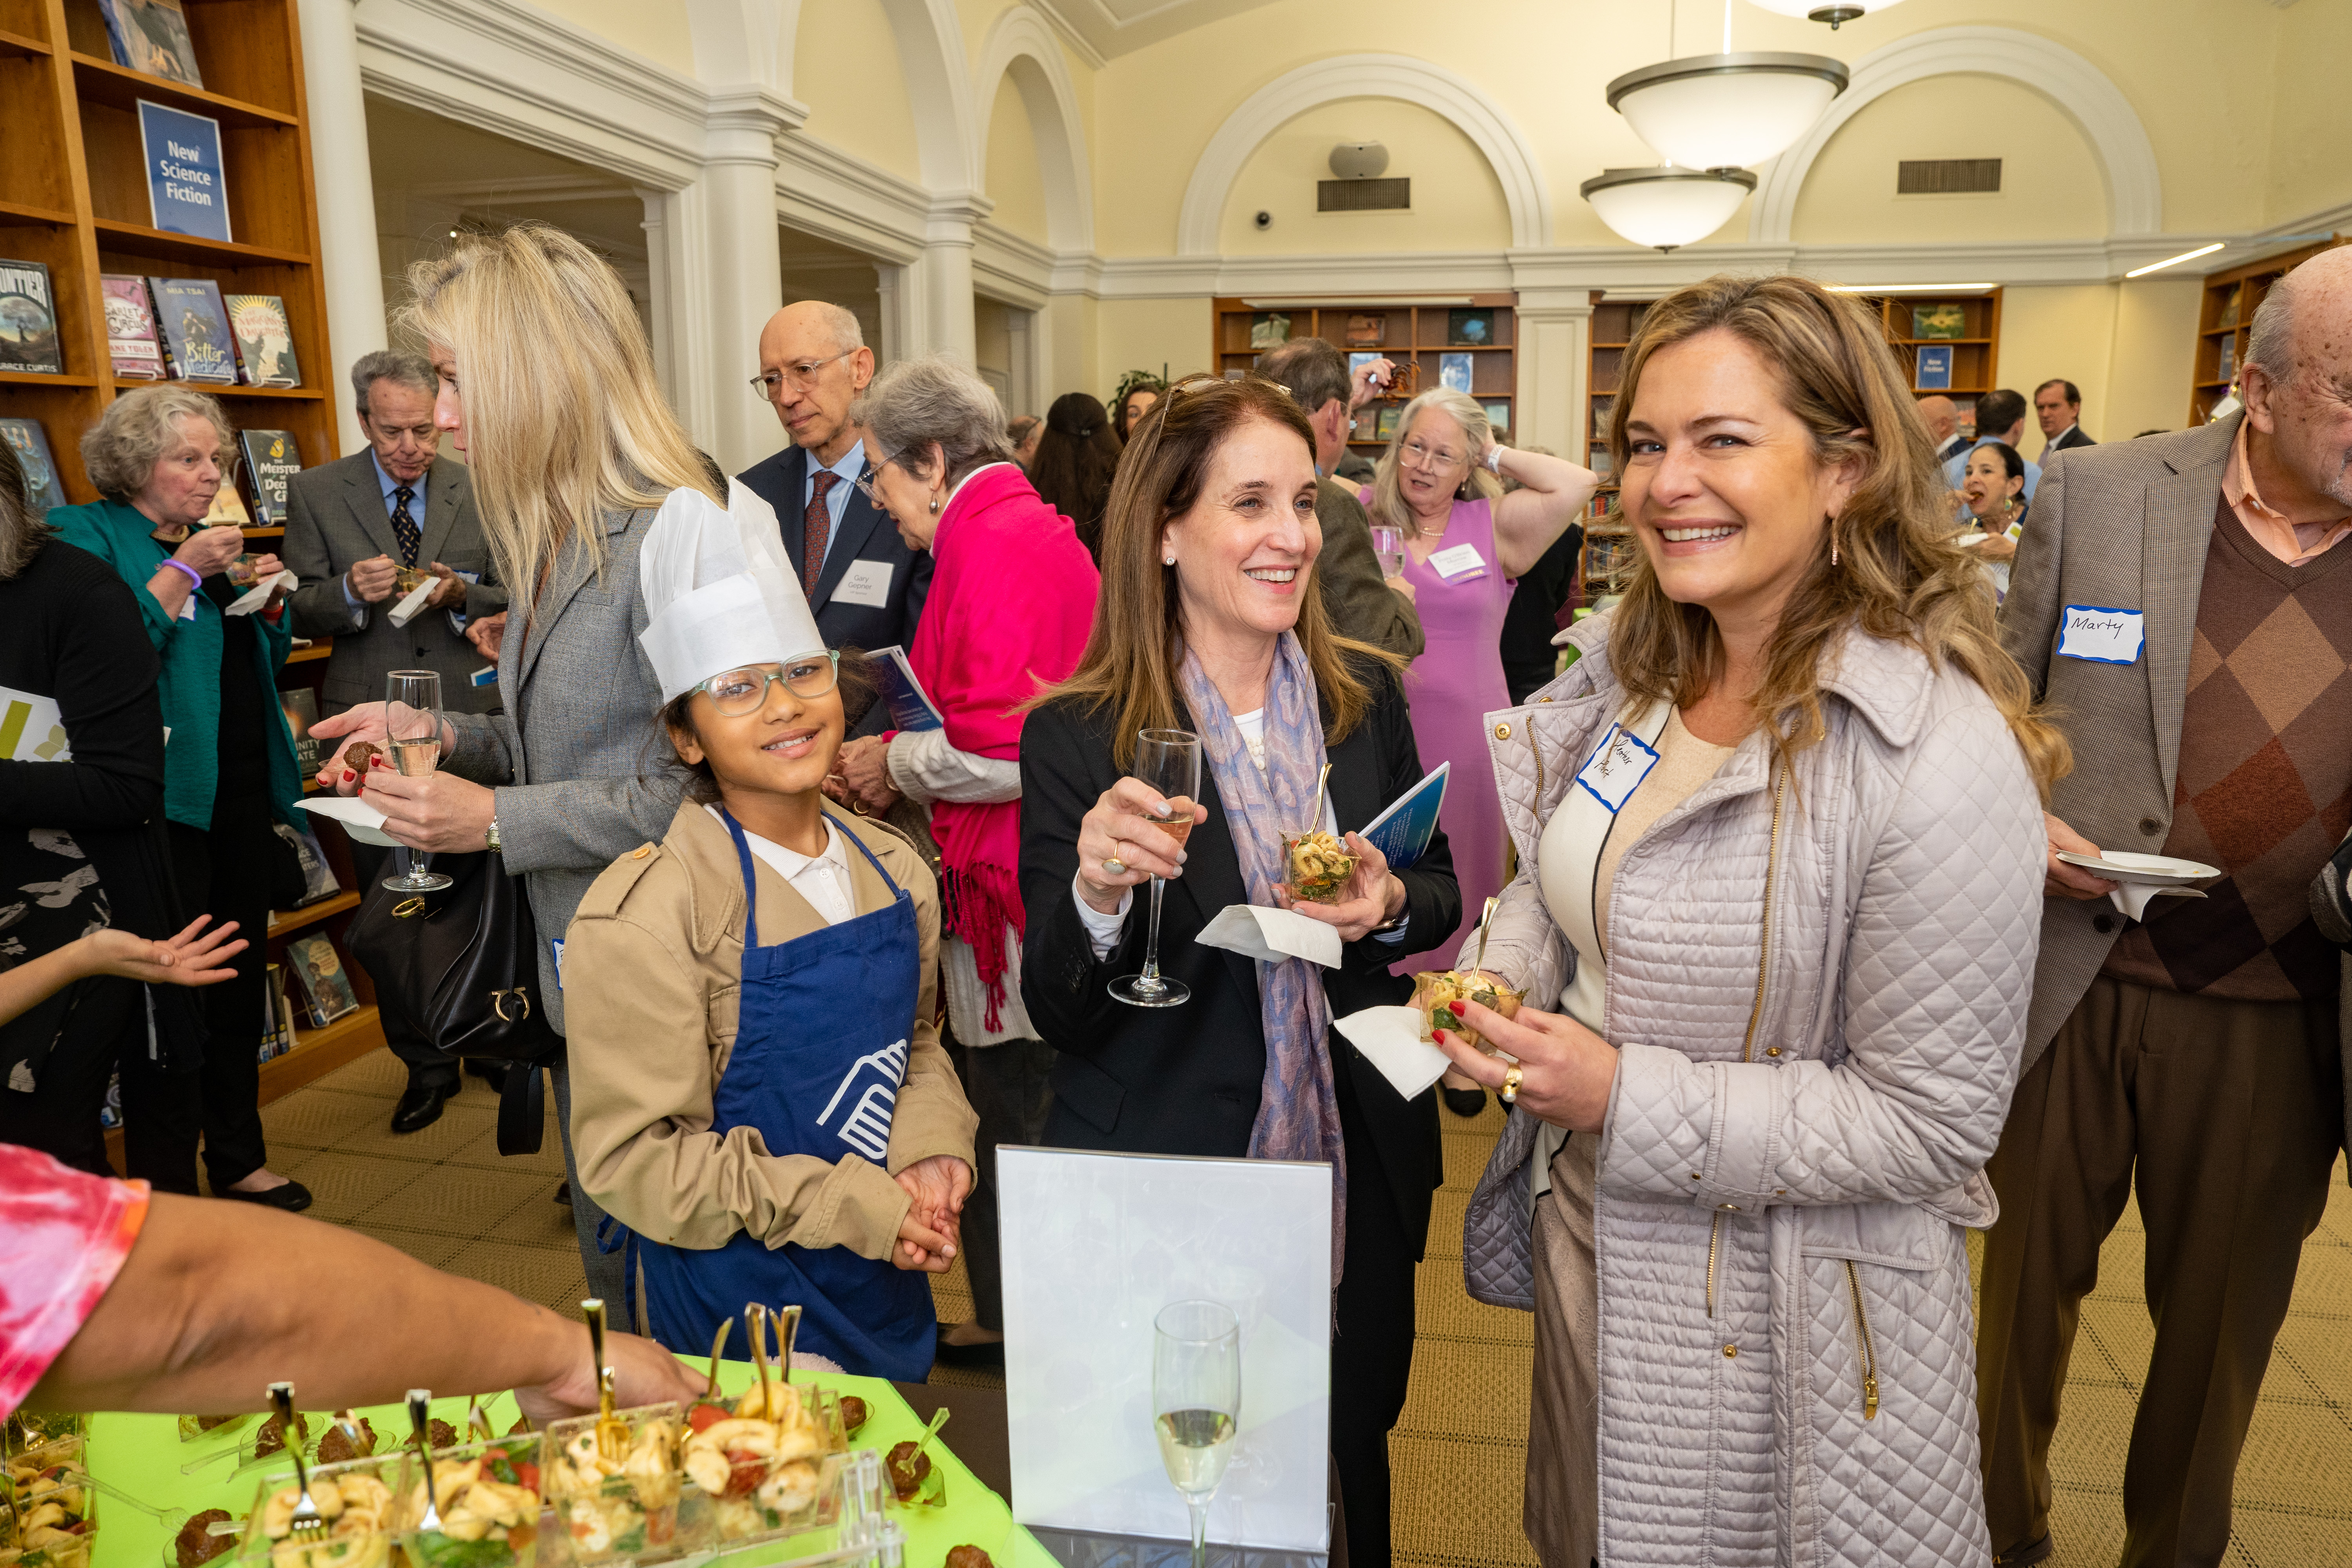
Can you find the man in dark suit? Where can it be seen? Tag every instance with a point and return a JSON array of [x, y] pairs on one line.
[[865, 586], [2058, 404], [351, 526], [1943, 420]]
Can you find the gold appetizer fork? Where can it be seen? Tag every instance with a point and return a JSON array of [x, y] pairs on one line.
[[718, 1348], [307, 1523], [420, 1416], [755, 1320], [788, 1330], [612, 1432]]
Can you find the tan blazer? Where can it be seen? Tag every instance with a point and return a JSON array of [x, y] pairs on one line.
[[2125, 524], [654, 960]]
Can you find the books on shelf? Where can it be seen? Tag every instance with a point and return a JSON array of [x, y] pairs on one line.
[[1364, 327], [1269, 330], [32, 448], [1453, 372], [227, 508], [1498, 415], [194, 323], [302, 706], [2234, 310], [317, 876], [131, 327], [265, 339], [1932, 367], [276, 1016], [29, 320], [2225, 359], [1949, 320], [152, 36], [272, 459], [1474, 328], [318, 969], [187, 189]]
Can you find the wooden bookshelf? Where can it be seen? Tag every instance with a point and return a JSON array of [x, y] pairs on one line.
[[2220, 348], [1414, 331], [1975, 354], [73, 195]]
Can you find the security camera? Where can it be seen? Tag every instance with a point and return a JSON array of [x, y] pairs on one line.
[[1264, 220]]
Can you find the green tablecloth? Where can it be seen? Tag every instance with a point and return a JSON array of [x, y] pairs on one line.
[[142, 1455]]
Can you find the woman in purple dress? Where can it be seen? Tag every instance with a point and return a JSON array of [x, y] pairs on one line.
[[1440, 485]]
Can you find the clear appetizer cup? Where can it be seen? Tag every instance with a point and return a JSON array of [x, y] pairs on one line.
[[615, 1510], [486, 1497], [748, 1479], [1432, 990], [52, 1510], [356, 1501], [1316, 865]]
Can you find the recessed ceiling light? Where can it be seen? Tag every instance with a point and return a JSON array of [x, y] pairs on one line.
[[2174, 262]]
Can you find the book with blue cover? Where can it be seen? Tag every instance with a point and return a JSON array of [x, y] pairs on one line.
[[911, 707], [1402, 832], [152, 36], [197, 339], [1934, 364], [32, 445], [187, 183]]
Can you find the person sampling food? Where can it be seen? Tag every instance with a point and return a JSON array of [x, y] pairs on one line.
[[759, 1093]]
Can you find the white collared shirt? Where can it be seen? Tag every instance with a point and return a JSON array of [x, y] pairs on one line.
[[822, 879]]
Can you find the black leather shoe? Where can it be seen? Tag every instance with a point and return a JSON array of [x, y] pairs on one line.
[[491, 1072], [1465, 1102], [420, 1106], [290, 1196]]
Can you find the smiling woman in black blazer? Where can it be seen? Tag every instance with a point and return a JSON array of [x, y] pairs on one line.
[[1208, 622]]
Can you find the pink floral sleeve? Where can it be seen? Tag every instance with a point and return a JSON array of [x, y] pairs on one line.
[[63, 1237]]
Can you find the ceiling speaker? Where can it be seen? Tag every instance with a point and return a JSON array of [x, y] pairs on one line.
[[1359, 159]]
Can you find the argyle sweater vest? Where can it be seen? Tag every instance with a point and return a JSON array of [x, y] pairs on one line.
[[2264, 786]]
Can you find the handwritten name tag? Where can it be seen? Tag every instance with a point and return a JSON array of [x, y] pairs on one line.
[[866, 582], [1618, 768], [2101, 635], [1462, 564]]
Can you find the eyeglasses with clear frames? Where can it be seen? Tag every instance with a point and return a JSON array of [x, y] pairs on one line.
[[866, 481], [1414, 454], [769, 384], [739, 691]]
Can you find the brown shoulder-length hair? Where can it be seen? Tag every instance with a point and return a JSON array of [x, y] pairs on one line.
[[1137, 642], [1898, 577]]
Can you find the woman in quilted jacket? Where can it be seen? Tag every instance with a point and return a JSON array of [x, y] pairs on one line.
[[1781, 856]]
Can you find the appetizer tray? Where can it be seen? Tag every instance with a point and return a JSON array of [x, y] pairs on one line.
[[143, 1456]]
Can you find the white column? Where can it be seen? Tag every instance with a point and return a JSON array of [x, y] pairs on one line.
[[946, 271], [895, 285], [1554, 330], [1023, 378], [348, 262], [743, 277]]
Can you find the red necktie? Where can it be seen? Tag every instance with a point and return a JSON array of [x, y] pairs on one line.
[[816, 525]]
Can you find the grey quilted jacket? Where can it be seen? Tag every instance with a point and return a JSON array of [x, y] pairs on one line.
[[1819, 995]]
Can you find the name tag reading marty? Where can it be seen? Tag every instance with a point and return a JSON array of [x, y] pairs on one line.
[[1618, 768], [2101, 635], [866, 582], [1462, 564]]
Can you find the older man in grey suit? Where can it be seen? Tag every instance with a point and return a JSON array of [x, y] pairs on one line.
[[349, 527], [2184, 605]]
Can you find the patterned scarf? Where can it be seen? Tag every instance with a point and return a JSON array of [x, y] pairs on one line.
[[1298, 1109]]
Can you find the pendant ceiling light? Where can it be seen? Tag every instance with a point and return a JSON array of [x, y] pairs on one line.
[[1667, 207], [1834, 12], [1727, 110]]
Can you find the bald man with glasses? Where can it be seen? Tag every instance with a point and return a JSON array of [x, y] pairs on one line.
[[864, 585]]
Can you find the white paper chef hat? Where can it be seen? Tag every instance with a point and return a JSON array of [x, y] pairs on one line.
[[719, 593]]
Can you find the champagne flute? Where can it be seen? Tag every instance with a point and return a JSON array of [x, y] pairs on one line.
[[1388, 545], [412, 727], [1168, 760], [1196, 1403]]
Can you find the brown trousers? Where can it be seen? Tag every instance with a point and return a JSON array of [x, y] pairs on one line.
[[2227, 1116]]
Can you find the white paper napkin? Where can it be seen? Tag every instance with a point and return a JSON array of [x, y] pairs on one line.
[[361, 820], [1273, 935], [253, 598], [2132, 898], [1390, 1039], [406, 610]]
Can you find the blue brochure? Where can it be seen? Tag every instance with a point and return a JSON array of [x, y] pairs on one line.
[[911, 707], [187, 190], [1402, 832]]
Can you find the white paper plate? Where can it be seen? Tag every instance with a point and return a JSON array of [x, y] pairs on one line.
[[2157, 870], [1974, 536], [361, 820]]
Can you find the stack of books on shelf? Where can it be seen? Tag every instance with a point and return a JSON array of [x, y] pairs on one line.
[[187, 330]]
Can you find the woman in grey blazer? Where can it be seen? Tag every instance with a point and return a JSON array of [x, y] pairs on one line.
[[533, 339]]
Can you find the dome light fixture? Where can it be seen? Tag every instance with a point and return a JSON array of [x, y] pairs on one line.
[[1834, 12], [1727, 110], [1667, 207]]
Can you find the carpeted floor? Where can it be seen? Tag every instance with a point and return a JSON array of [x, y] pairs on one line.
[[445, 1196]]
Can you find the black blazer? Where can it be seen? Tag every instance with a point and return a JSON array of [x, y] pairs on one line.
[[866, 533], [1186, 1079], [2071, 438]]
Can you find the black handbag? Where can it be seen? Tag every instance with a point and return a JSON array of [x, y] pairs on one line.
[[459, 968]]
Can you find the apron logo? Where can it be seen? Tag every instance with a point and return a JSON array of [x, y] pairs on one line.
[[866, 1128]]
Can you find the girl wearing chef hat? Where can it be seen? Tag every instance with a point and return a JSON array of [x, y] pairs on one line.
[[759, 1095]]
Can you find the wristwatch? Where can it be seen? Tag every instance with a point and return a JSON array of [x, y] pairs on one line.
[[490, 835]]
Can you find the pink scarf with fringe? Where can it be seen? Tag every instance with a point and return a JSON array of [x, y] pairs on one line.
[[1012, 601]]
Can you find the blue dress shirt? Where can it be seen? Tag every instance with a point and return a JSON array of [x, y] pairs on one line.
[[836, 499]]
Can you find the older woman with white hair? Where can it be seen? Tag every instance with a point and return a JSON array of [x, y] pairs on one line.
[[1012, 596], [1440, 484], [159, 456]]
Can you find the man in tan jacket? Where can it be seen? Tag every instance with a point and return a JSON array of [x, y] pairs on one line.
[[2184, 605]]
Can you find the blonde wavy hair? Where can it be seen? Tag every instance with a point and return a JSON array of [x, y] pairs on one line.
[[564, 421], [1388, 491], [1898, 575]]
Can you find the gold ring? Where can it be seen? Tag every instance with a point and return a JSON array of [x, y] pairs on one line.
[[1510, 1090], [1114, 866]]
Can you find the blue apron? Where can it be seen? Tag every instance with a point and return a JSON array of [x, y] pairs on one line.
[[820, 1050]]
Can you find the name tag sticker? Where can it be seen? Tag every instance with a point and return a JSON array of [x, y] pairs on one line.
[[1617, 768], [1462, 564], [486, 676], [188, 607], [2101, 633], [866, 582]]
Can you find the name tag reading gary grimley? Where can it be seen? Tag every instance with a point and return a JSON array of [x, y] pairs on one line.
[[1618, 768], [2101, 633]]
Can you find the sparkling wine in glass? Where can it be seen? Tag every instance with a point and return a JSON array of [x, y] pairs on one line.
[[1168, 760], [1196, 1403], [1388, 546], [412, 722]]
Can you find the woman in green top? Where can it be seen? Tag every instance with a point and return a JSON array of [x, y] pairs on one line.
[[158, 455]]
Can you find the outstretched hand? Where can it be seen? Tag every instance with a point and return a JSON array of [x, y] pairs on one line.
[[185, 959]]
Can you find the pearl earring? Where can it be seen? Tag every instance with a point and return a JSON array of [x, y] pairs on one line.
[[1168, 560], [935, 505]]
